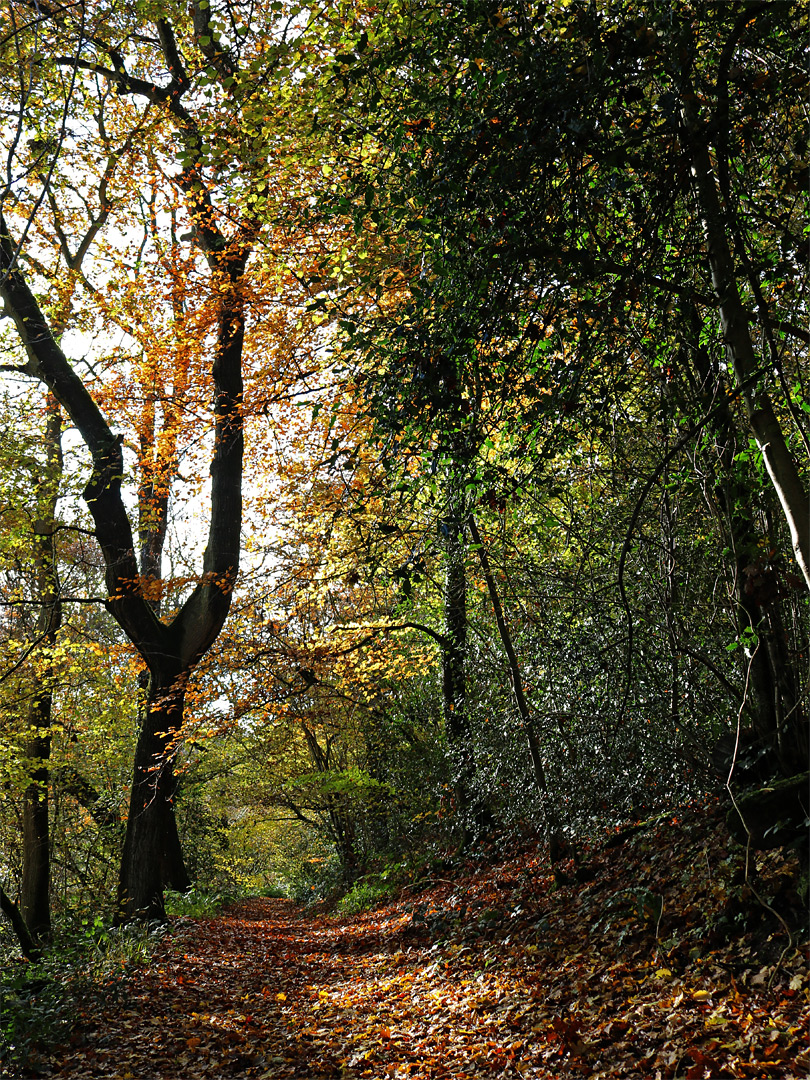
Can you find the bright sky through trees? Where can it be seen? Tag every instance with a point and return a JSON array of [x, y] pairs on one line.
[[404, 437]]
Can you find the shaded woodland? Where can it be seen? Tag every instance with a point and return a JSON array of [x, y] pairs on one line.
[[404, 460]]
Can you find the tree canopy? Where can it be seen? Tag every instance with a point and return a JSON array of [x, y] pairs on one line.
[[404, 435]]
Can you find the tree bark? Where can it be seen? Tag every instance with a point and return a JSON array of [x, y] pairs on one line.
[[779, 461], [35, 884], [454, 653], [36, 869], [151, 857]]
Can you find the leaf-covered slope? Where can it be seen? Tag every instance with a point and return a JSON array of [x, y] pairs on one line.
[[663, 964]]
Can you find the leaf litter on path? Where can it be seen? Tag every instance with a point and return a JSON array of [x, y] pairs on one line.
[[499, 973]]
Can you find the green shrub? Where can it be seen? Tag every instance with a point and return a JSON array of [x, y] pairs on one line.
[[199, 902], [36, 1011], [370, 890]]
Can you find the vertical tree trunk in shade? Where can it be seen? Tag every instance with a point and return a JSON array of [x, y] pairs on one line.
[[152, 857], [514, 666], [779, 461], [777, 712], [35, 885], [36, 872], [669, 552], [454, 651], [556, 840]]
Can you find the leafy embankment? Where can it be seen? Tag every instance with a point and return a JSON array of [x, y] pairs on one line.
[[663, 964]]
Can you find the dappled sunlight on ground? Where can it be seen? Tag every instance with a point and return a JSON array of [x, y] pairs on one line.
[[500, 973]]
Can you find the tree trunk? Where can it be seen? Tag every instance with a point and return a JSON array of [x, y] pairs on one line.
[[454, 679], [30, 949], [514, 669], [152, 854], [556, 840], [762, 419], [777, 713], [454, 654], [36, 868]]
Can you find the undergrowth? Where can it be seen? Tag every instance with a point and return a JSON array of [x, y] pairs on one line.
[[39, 1000], [198, 902], [374, 888]]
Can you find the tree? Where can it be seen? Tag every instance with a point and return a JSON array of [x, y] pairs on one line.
[[719, 226], [545, 186], [170, 648], [35, 899], [29, 568]]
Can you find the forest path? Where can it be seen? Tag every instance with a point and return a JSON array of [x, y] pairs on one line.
[[500, 974], [266, 990]]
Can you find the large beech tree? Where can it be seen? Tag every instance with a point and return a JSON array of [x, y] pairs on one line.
[[163, 78]]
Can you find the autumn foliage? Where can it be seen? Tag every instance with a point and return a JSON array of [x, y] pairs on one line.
[[655, 966], [404, 488]]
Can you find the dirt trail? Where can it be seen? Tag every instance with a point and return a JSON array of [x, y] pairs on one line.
[[265, 991], [497, 975]]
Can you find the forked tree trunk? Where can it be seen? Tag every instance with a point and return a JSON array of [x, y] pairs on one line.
[[170, 649]]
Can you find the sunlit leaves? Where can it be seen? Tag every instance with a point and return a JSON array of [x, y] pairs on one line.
[[478, 971]]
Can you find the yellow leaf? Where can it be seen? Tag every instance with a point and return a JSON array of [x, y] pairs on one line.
[[700, 995], [281, 997]]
